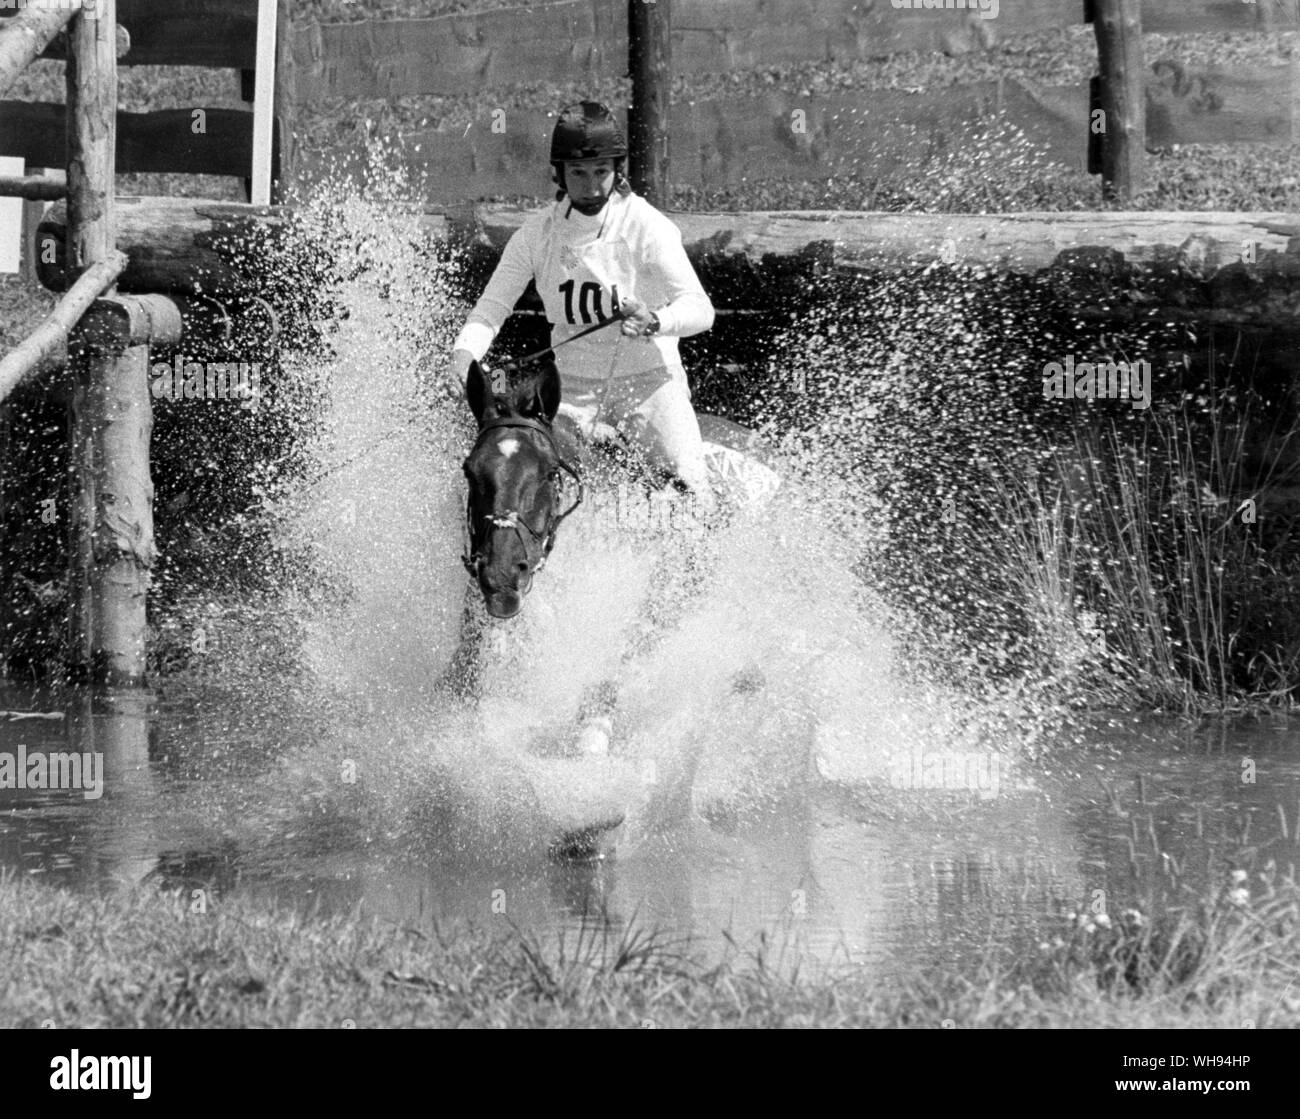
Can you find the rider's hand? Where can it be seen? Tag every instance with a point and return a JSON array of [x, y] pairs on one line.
[[459, 366], [637, 317]]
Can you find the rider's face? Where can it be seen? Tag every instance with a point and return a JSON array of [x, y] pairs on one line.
[[588, 183]]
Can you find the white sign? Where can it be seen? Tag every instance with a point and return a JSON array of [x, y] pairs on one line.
[[11, 218]]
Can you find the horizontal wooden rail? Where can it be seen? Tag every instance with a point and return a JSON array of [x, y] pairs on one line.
[[1242, 268], [57, 51], [35, 188], [30, 354], [164, 140], [187, 245], [1022, 243]]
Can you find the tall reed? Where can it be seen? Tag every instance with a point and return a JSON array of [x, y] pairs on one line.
[[1148, 573]]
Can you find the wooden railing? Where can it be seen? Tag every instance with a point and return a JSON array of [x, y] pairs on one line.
[[197, 140], [108, 335]]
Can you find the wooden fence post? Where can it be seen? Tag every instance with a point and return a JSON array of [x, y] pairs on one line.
[[1121, 96], [112, 495], [649, 63], [6, 580], [122, 553], [286, 109]]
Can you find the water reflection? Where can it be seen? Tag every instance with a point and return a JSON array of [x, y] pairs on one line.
[[881, 876], [65, 829]]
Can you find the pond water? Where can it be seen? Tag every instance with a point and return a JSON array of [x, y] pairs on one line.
[[829, 868]]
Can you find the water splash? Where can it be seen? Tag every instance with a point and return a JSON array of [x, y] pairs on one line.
[[780, 671]]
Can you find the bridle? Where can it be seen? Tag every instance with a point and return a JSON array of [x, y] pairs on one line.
[[510, 518], [472, 557]]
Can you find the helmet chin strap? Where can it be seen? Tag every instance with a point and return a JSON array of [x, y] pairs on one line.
[[589, 209]]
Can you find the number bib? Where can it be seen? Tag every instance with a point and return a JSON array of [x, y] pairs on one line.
[[579, 286]]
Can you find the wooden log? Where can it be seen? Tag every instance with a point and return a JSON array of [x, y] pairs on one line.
[[92, 120], [111, 522], [220, 33], [168, 323], [35, 188], [1023, 243], [1122, 96], [649, 54], [113, 422], [37, 348], [185, 245], [57, 51], [1207, 267], [188, 242], [119, 323], [24, 37]]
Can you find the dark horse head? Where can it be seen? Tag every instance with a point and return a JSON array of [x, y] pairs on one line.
[[516, 486]]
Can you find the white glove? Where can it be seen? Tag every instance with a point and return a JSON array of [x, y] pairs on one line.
[[459, 366]]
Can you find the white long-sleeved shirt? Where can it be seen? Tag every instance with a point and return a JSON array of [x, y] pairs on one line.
[[579, 262]]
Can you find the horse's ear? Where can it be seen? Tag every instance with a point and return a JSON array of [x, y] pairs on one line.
[[478, 388], [546, 391]]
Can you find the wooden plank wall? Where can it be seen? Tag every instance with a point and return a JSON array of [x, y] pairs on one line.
[[725, 142], [720, 141], [586, 39]]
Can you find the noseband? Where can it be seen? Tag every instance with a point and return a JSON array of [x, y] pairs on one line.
[[509, 518]]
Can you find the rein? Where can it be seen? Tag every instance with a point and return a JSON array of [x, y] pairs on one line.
[[528, 359], [472, 558]]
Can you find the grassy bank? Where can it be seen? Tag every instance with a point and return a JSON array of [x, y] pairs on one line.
[[145, 959]]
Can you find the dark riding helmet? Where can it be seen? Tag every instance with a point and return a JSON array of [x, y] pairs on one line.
[[587, 130]]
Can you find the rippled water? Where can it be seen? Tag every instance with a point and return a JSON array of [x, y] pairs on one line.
[[197, 799]]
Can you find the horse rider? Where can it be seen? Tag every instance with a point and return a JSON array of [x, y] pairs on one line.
[[598, 250]]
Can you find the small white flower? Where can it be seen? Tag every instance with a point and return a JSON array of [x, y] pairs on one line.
[[1103, 919], [1239, 896], [1134, 918], [1238, 876]]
